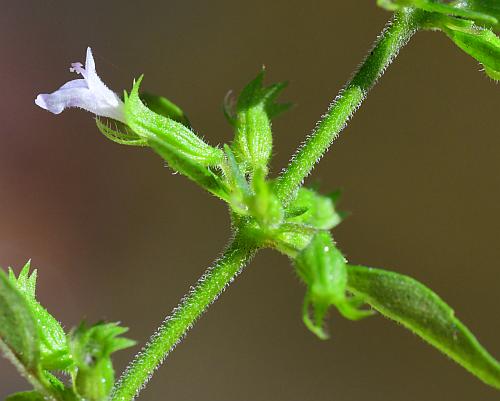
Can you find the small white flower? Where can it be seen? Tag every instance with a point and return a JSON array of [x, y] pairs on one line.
[[88, 93]]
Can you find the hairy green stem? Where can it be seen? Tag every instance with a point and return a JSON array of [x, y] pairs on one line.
[[393, 38], [175, 326], [238, 253]]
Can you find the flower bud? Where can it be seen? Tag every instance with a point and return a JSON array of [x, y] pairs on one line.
[[164, 131], [53, 349], [91, 348], [180, 147], [323, 269], [313, 209], [255, 108]]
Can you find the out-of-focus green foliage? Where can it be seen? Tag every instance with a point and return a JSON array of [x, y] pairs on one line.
[[18, 329], [53, 349], [36, 344], [26, 396]]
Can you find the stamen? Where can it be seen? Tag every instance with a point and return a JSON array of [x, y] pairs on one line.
[[78, 68]]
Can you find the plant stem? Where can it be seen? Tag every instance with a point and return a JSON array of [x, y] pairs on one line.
[[392, 39], [239, 252], [175, 326]]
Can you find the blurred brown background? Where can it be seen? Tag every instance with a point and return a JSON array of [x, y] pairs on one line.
[[115, 235]]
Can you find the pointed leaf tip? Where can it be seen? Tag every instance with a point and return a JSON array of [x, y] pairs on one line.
[[420, 310]]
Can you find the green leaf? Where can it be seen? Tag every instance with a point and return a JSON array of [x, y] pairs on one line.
[[18, 329], [91, 348], [482, 44], [161, 105], [323, 269], [59, 394], [481, 15], [255, 108], [494, 75], [52, 339], [416, 307], [26, 396], [488, 7]]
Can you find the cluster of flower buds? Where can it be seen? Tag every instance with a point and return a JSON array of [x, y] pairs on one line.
[[299, 227], [237, 173], [255, 108]]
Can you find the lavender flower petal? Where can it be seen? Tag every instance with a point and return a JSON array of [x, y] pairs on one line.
[[89, 93]]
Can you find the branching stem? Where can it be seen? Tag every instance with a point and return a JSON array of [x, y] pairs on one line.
[[392, 39], [240, 251]]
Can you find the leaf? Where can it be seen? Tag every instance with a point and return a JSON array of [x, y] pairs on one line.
[[489, 7], [26, 396], [494, 75], [482, 44], [416, 307], [482, 14], [18, 328], [161, 105]]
